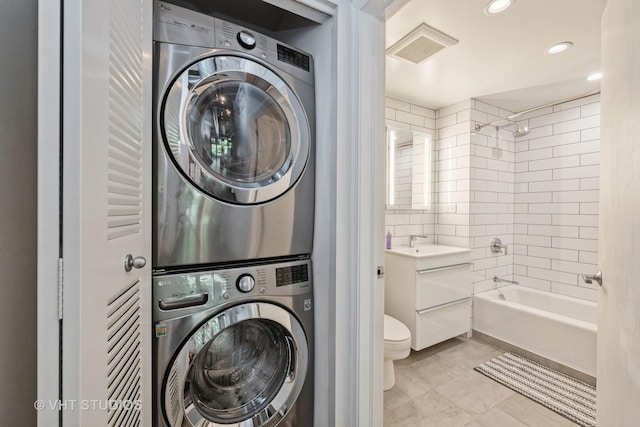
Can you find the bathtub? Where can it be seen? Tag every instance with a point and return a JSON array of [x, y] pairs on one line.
[[559, 328]]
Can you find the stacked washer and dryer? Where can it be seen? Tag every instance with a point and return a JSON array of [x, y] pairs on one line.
[[233, 225]]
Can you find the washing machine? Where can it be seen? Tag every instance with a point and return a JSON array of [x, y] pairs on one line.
[[233, 140], [234, 347]]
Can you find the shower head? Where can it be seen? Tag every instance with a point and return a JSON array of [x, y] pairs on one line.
[[520, 131]]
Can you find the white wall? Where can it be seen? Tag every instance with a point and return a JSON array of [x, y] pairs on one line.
[[538, 193], [18, 50], [491, 187], [404, 222], [556, 198], [452, 171]]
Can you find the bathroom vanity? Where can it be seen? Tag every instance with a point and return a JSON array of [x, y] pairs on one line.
[[428, 288]]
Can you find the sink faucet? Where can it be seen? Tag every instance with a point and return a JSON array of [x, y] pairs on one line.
[[414, 237]]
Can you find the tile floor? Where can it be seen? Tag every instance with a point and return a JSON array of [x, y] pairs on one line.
[[437, 387]]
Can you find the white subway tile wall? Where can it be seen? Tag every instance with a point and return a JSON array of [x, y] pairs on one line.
[[538, 193], [556, 198], [404, 222], [491, 196], [453, 160]]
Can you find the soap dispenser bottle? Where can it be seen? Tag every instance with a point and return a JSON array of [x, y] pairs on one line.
[[388, 240]]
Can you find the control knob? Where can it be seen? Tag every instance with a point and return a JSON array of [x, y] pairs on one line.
[[246, 40], [245, 283]]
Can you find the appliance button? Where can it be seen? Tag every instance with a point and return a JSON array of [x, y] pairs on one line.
[[263, 290], [245, 283], [263, 55], [227, 43], [246, 40], [225, 295]]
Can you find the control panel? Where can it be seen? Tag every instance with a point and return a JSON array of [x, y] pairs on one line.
[[198, 290], [231, 36], [293, 57], [292, 274], [174, 24]]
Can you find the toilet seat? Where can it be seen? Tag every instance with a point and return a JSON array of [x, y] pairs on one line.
[[394, 330], [397, 338]]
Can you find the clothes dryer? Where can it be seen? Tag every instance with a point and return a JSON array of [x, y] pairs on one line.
[[233, 143], [234, 347]]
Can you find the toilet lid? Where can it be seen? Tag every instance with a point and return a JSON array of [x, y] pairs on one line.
[[395, 330]]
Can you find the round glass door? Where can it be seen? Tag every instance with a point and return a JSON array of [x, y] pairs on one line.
[[246, 366], [235, 129]]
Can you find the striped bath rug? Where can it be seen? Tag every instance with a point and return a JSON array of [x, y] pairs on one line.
[[562, 394]]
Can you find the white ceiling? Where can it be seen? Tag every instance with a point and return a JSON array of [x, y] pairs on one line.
[[500, 59]]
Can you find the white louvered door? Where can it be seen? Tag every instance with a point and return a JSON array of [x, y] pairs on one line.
[[106, 340]]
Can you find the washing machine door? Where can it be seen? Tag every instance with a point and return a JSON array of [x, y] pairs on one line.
[[235, 129], [244, 367]]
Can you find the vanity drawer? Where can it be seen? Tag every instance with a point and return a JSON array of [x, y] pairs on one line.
[[441, 323], [441, 285], [442, 260]]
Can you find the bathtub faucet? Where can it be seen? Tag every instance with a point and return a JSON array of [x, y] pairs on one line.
[[496, 279], [414, 237]]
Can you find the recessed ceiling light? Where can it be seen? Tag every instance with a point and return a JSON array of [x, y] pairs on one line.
[[594, 77], [497, 6], [559, 47]]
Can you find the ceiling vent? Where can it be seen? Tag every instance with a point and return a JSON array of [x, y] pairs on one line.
[[420, 44]]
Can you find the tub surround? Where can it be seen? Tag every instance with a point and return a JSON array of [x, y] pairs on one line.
[[557, 198], [491, 187]]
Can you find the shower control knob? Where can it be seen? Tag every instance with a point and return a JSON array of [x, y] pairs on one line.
[[245, 283]]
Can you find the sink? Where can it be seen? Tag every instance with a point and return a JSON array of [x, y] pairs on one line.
[[425, 251]]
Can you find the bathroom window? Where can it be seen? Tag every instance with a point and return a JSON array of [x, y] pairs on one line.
[[409, 169]]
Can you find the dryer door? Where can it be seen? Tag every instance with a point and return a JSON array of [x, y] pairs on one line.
[[235, 129], [243, 367]]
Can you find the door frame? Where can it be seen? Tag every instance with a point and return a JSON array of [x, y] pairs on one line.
[[359, 292], [49, 229]]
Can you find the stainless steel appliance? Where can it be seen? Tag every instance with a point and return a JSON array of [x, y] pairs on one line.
[[233, 143], [234, 347]]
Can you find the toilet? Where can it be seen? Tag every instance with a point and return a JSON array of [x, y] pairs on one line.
[[397, 345]]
